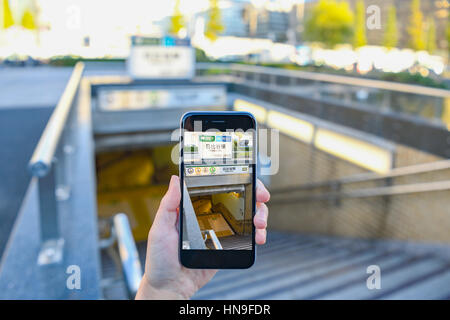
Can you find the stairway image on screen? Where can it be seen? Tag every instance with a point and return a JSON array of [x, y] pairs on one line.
[[217, 199]]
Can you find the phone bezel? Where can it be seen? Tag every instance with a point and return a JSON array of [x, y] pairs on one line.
[[218, 259]]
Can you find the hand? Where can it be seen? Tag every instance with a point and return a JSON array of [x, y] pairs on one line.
[[164, 276]]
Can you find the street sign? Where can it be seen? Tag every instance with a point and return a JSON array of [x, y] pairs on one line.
[[161, 58], [110, 99]]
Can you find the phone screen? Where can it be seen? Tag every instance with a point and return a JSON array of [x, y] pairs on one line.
[[218, 196]]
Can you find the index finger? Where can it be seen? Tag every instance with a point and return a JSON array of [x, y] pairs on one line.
[[262, 195]]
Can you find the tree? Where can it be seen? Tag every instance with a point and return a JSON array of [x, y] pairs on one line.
[[8, 20], [391, 34], [360, 39], [177, 22], [214, 25], [448, 36], [330, 22], [431, 35], [416, 29], [28, 21]]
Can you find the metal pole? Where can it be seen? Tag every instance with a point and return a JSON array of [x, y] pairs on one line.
[[52, 243], [48, 206], [129, 256]]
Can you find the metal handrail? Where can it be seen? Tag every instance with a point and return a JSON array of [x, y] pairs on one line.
[[191, 228], [201, 191], [43, 154], [371, 192], [129, 256], [214, 239], [330, 78], [368, 177]]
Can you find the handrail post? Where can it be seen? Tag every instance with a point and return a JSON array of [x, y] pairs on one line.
[[257, 77], [335, 199], [52, 243], [234, 71], [316, 89], [292, 81], [386, 100], [64, 163], [272, 80]]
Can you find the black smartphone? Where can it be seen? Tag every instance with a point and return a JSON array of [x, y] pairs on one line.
[[218, 178]]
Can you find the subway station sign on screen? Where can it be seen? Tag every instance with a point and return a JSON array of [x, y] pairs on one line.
[[161, 58]]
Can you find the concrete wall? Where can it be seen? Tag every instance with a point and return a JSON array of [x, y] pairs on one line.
[[421, 216], [300, 163]]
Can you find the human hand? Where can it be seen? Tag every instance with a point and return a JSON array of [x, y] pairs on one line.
[[164, 276]]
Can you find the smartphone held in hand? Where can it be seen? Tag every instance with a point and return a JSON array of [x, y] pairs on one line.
[[218, 178]]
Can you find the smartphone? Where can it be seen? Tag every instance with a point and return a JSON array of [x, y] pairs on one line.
[[218, 178]]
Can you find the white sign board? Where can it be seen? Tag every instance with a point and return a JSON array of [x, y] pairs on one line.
[[165, 58], [216, 170], [168, 97]]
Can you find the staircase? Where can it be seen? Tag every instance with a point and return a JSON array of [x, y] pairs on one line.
[[235, 242], [294, 266]]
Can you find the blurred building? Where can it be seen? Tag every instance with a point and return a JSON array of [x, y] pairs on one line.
[[271, 19], [233, 18], [270, 24], [280, 21]]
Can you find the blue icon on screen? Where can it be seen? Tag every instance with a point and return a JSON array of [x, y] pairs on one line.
[[169, 41]]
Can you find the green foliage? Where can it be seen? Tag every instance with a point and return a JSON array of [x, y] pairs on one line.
[[28, 20], [391, 34], [360, 39], [416, 78], [8, 20], [177, 22], [70, 61], [416, 27], [330, 22], [200, 56], [402, 77], [448, 33], [431, 35], [214, 25]]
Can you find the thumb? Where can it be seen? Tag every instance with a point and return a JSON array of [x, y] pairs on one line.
[[167, 212]]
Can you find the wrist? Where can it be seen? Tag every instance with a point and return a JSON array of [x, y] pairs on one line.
[[147, 291]]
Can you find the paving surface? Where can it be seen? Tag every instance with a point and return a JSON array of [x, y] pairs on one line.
[[32, 87], [294, 266], [20, 130], [42, 86]]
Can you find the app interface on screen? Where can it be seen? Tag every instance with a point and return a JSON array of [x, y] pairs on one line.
[[218, 180]]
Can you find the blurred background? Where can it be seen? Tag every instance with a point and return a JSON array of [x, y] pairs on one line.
[[90, 92]]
